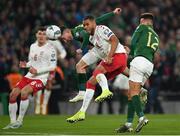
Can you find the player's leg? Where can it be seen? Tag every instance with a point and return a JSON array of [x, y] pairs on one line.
[[114, 68], [13, 107], [47, 94], [38, 102], [24, 103], [81, 74], [127, 127], [90, 88], [138, 75], [32, 87], [12, 101], [88, 59], [143, 93], [99, 75]]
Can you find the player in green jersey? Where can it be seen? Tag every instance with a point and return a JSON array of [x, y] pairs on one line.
[[78, 33], [144, 44]]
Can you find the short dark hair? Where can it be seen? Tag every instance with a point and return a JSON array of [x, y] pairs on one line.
[[90, 17], [41, 28], [147, 16]]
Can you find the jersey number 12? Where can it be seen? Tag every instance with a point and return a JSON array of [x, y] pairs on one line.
[[153, 45]]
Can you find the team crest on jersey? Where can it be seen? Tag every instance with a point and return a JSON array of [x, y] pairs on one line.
[[53, 55]]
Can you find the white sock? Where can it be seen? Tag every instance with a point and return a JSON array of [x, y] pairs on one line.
[[87, 99], [38, 97], [47, 94], [128, 124], [12, 111], [102, 80], [23, 108], [141, 118], [81, 92]]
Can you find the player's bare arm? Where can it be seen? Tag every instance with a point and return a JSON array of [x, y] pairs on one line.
[[114, 42]]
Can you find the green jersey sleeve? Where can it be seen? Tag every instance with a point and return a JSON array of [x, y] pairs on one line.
[[81, 35], [85, 37], [104, 18]]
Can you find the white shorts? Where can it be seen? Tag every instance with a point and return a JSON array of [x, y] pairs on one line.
[[91, 57], [140, 70]]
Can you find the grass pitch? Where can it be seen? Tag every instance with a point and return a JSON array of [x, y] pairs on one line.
[[93, 125]]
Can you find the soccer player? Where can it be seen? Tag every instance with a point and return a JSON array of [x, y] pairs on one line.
[[42, 60], [113, 62], [61, 54], [79, 34], [144, 44]]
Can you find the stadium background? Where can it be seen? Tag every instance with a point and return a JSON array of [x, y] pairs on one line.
[[19, 19]]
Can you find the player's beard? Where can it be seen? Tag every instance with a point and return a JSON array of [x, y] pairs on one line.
[[92, 31]]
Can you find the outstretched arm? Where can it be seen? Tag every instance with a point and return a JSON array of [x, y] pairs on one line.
[[107, 16]]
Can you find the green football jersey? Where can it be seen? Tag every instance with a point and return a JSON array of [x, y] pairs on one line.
[[144, 42], [81, 35]]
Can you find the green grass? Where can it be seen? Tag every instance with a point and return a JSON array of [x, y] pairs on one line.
[[93, 125]]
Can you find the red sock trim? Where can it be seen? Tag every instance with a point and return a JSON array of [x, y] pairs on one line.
[[24, 98], [12, 101]]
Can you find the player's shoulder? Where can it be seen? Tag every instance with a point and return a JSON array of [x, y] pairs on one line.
[[54, 42], [102, 27], [49, 46], [33, 45]]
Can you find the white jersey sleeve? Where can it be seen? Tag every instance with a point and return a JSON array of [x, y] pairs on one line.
[[61, 52], [105, 32]]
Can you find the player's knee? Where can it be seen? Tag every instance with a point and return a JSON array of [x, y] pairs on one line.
[[97, 72], [79, 67], [24, 95], [134, 92], [12, 98], [90, 85], [13, 95]]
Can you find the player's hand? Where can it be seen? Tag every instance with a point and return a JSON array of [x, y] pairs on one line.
[[79, 51], [32, 70], [117, 11], [108, 60], [22, 64]]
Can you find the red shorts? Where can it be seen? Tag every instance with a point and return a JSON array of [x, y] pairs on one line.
[[36, 84], [117, 66]]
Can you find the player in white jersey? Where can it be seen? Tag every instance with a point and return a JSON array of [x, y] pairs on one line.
[[113, 62], [41, 108], [42, 60]]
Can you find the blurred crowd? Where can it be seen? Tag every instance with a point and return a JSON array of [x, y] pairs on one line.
[[19, 19]]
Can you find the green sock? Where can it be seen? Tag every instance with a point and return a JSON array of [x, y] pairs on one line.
[[131, 111], [137, 105], [82, 81]]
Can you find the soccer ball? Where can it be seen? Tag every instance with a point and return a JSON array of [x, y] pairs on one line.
[[53, 32]]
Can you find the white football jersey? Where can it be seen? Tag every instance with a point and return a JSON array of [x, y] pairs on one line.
[[100, 40], [43, 58], [60, 50]]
